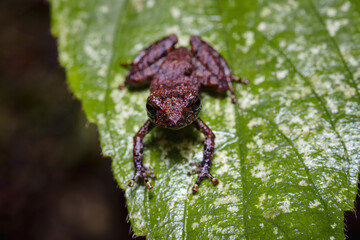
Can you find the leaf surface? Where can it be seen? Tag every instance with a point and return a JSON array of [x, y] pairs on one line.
[[287, 155]]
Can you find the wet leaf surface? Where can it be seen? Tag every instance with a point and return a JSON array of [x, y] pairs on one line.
[[287, 155]]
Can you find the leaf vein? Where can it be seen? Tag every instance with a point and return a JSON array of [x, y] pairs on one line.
[[333, 41], [320, 100]]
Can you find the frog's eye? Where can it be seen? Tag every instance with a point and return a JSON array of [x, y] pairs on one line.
[[196, 104], [149, 108], [188, 71]]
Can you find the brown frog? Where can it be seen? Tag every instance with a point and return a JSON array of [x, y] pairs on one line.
[[176, 77]]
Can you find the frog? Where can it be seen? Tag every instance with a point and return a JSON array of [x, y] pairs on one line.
[[176, 77]]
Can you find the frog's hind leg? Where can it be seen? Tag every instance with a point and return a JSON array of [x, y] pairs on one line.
[[212, 67], [149, 60], [137, 77], [203, 168]]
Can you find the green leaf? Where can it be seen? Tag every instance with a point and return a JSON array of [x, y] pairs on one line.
[[287, 155]]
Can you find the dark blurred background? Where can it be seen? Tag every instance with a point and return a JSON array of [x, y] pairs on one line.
[[54, 183]]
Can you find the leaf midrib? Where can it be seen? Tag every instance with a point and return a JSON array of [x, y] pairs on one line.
[[241, 154]]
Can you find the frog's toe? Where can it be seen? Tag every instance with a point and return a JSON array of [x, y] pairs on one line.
[[149, 173], [195, 188], [241, 80], [142, 172], [131, 183], [215, 181], [149, 185], [197, 164], [198, 169], [204, 172]]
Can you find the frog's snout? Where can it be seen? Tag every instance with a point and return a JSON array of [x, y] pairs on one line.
[[175, 119]]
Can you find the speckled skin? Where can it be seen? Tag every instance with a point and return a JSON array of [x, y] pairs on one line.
[[173, 89], [177, 76]]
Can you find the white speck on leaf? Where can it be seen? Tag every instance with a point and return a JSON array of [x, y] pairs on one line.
[[118, 80], [265, 12], [175, 12], [353, 61], [345, 7], [261, 27], [331, 12], [261, 200], [226, 200], [278, 180], [150, 3], [334, 25], [101, 97], [223, 169], [260, 171], [285, 207], [91, 52], [233, 209], [138, 47], [101, 118], [282, 74], [314, 204], [138, 5], [255, 122], [259, 80], [183, 191], [249, 38], [194, 225], [332, 105], [104, 9], [205, 218], [303, 183], [269, 147]]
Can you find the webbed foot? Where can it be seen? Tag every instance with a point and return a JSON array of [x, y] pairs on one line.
[[142, 172]]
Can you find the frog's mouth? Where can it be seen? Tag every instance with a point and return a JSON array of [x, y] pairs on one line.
[[171, 126], [174, 127]]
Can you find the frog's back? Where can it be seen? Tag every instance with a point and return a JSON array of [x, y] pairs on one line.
[[176, 72]]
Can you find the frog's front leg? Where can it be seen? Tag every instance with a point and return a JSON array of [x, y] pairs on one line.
[[203, 168], [140, 170]]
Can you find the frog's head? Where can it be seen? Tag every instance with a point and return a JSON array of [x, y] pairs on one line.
[[173, 109]]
